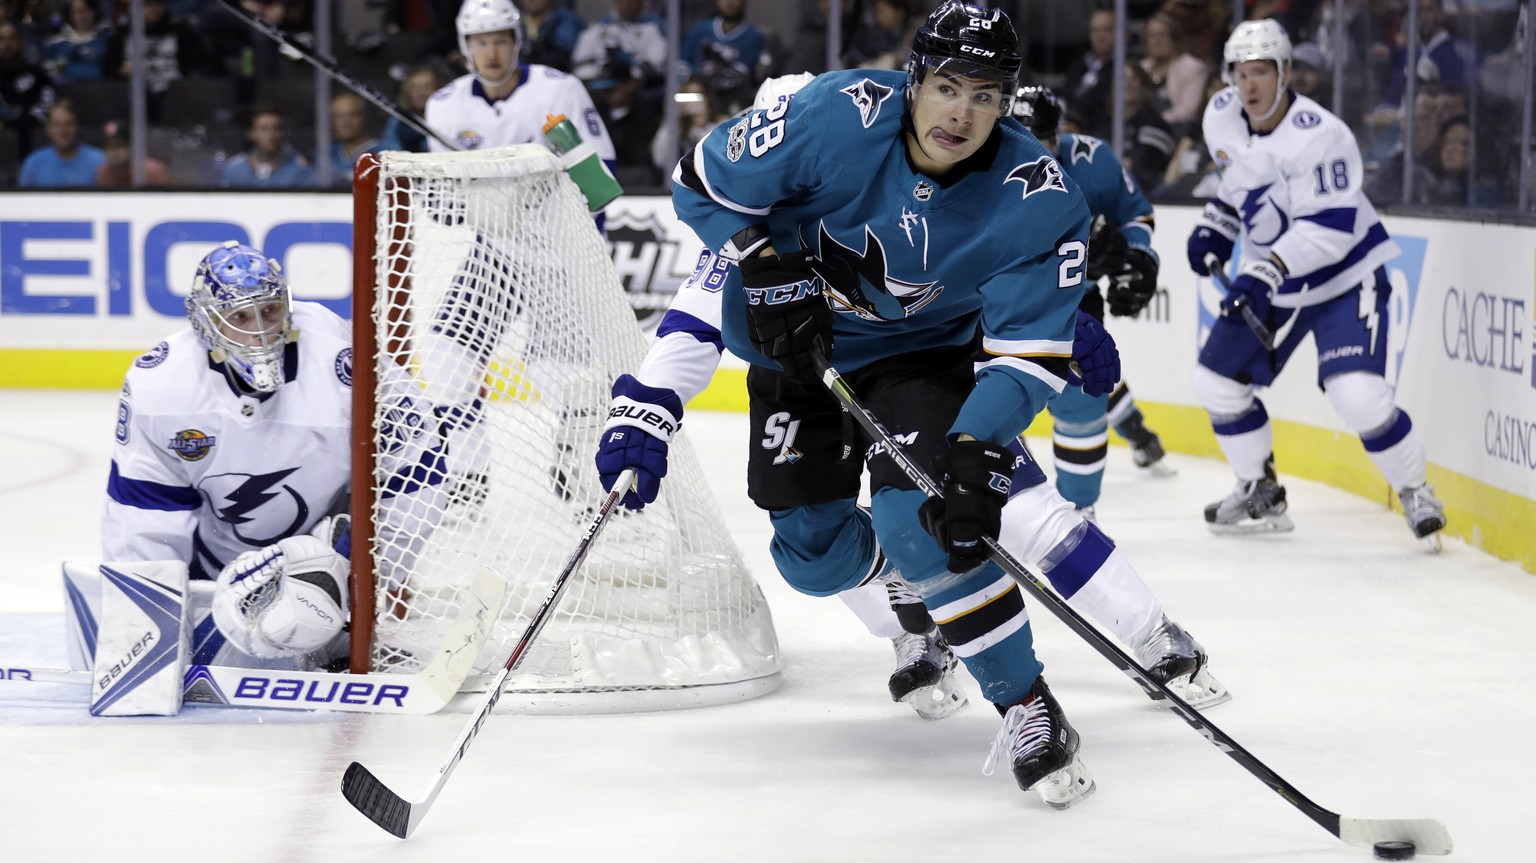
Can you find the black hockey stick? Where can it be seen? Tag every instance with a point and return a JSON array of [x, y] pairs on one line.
[[1429, 835], [1261, 331], [400, 816], [329, 67]]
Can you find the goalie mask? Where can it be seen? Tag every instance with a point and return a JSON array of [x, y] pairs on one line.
[[488, 16], [963, 41], [240, 310]]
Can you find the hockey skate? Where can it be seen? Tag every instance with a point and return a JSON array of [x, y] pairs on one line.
[[1176, 660], [1254, 506], [1146, 448], [1042, 748], [1424, 512], [925, 675]]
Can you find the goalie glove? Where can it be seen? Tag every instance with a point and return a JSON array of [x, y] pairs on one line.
[[286, 600], [641, 423]]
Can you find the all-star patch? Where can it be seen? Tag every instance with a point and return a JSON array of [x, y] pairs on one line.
[[191, 444]]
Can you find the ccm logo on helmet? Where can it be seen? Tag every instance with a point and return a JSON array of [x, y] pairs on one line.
[[972, 49]]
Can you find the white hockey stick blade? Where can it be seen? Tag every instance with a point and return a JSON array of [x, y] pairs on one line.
[[426, 691], [1428, 835]]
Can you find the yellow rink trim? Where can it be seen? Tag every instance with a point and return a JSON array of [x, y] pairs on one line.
[[1486, 517]]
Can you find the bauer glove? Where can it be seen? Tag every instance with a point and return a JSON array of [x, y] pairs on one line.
[[1253, 287], [1215, 234], [641, 423], [977, 475]]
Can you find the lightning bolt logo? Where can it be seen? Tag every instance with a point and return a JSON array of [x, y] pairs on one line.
[[251, 493], [1369, 314]]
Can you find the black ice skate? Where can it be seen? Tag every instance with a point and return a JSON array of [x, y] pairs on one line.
[[1254, 506], [925, 675], [1042, 748], [1146, 448], [1424, 512], [1175, 659]]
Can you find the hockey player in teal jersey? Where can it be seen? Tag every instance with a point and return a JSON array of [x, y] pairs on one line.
[[878, 218], [1119, 251]]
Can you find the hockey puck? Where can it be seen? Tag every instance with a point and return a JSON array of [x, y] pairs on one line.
[[1394, 850]]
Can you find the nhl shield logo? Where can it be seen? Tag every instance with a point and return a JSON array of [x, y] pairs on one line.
[[923, 190], [1041, 175]]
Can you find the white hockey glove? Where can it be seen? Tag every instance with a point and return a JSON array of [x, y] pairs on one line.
[[288, 599]]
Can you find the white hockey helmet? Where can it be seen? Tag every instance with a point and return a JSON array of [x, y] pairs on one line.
[[780, 89], [486, 16], [240, 309], [1264, 39]]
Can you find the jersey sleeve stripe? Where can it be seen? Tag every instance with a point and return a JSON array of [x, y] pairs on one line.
[[1026, 347], [700, 172], [1373, 238], [143, 494], [675, 321], [683, 174], [1339, 219], [1050, 371]]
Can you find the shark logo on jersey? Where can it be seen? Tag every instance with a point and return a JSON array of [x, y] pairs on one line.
[[242, 499], [868, 97], [1084, 147], [846, 272], [191, 444], [1043, 174], [1255, 209]]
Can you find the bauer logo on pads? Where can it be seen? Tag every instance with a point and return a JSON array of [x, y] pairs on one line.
[[136, 668]]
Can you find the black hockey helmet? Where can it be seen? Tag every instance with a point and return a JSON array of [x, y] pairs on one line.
[[966, 40], [1039, 110]]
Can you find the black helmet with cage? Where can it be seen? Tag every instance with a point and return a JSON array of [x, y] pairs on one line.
[[964, 40]]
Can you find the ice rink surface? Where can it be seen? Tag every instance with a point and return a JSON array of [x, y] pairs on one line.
[[1379, 679]]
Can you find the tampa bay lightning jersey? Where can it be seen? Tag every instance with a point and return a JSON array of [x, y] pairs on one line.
[[1299, 190], [461, 113], [1107, 187], [909, 262], [203, 471]]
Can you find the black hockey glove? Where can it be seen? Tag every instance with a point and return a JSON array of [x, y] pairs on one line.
[[1106, 250], [787, 317], [976, 479], [1131, 290]]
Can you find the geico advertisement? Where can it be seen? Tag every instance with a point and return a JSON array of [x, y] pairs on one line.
[[98, 271]]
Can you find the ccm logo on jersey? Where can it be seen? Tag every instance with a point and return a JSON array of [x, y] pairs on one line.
[[191, 444], [1038, 176]]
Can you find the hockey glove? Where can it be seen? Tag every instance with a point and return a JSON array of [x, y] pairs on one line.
[[1106, 250], [1095, 359], [1254, 285], [1215, 234], [1130, 291], [288, 599], [641, 422], [977, 474], [787, 317]]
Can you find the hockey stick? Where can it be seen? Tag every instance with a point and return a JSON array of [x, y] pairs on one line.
[[329, 67], [426, 691], [1260, 330], [400, 816], [1429, 835]]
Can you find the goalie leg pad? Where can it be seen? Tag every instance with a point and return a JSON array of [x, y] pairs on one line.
[[142, 639]]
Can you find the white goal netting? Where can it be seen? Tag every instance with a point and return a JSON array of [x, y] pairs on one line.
[[497, 325]]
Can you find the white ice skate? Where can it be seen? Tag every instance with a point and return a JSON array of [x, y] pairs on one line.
[[1176, 660], [1424, 512], [1254, 506], [925, 675]]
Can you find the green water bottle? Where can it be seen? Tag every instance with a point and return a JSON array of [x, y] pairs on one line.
[[581, 163]]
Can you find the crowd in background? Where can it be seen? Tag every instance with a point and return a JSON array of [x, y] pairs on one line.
[[229, 107]]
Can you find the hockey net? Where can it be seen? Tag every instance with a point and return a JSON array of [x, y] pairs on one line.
[[488, 326]]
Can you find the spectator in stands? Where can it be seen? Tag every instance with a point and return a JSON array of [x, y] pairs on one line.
[[1191, 173], [1309, 74], [728, 52], [621, 59], [116, 170], [170, 51], [1202, 26], [1179, 78], [415, 90], [1442, 57], [883, 39], [350, 138], [809, 52], [269, 162], [1149, 141], [1091, 78], [1432, 106], [1444, 179], [550, 32], [68, 162], [698, 112], [26, 90], [79, 51]]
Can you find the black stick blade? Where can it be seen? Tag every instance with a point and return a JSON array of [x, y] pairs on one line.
[[372, 798]]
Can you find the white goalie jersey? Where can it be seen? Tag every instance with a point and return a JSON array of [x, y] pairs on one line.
[[203, 472], [1299, 191]]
